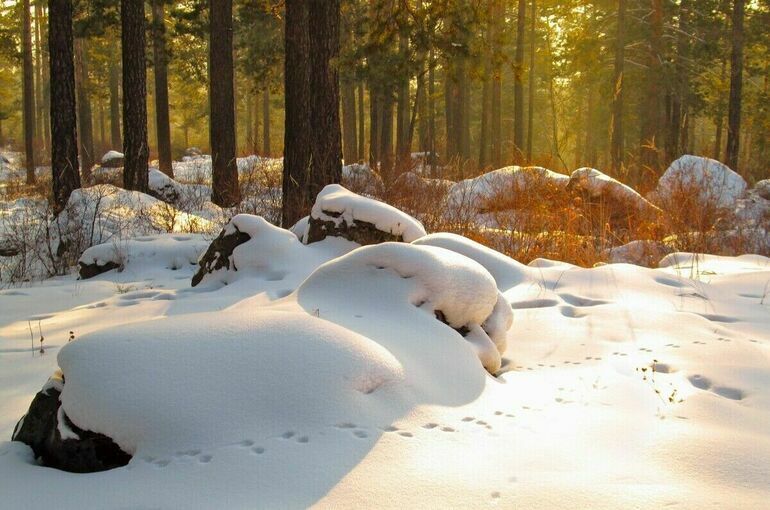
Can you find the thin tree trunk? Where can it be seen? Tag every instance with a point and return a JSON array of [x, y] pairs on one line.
[[42, 141], [674, 142], [224, 170], [361, 123], [486, 100], [114, 85], [135, 149], [531, 79], [496, 107], [590, 146], [736, 86], [250, 124], [720, 117], [374, 126], [160, 59], [402, 110], [432, 111], [28, 93], [651, 108], [85, 117], [102, 129], [616, 142], [349, 140], [266, 122], [64, 144], [296, 161], [518, 82]]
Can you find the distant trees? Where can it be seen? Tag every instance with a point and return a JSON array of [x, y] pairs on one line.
[[64, 148], [135, 149], [224, 169]]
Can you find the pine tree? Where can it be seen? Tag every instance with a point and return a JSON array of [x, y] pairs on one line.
[[135, 149]]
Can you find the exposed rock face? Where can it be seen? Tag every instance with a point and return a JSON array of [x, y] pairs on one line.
[[61, 444], [219, 252], [360, 232], [86, 271]]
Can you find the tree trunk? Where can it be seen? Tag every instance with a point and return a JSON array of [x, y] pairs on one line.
[[160, 59], [432, 111], [518, 82], [266, 122], [402, 108], [64, 144], [651, 108], [361, 124], [42, 138], [720, 118], [349, 141], [374, 126], [531, 80], [115, 137], [486, 100], [736, 86], [616, 142], [674, 142], [496, 107], [250, 124], [296, 161], [102, 130], [28, 93], [224, 169], [85, 117], [135, 149]]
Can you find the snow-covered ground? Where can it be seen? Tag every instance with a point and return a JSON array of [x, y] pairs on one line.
[[621, 386]]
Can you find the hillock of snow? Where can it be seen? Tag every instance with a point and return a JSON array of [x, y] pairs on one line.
[[705, 180], [598, 186]]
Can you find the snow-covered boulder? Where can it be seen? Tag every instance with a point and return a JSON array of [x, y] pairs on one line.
[[163, 187], [616, 199], [113, 159], [641, 253], [705, 180], [192, 152], [452, 288], [59, 443], [169, 252], [338, 212], [483, 193], [763, 188]]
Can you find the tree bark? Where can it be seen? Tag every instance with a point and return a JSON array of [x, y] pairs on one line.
[[616, 142], [266, 122], [224, 170], [496, 107], [296, 161], [64, 145], [28, 93], [518, 82], [361, 123], [349, 140], [114, 85], [160, 59], [651, 108], [736, 86], [42, 139], [531, 80], [135, 149], [85, 116], [674, 142]]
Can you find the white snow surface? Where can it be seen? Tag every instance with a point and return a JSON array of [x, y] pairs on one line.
[[352, 207], [111, 155], [711, 181], [620, 386]]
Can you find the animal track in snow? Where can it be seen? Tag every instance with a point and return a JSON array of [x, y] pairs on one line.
[[705, 384], [574, 300]]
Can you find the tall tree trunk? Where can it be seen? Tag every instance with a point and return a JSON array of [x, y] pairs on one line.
[[266, 122], [102, 129], [450, 91], [736, 86], [326, 146], [85, 117], [590, 144], [402, 108], [224, 169], [64, 143], [114, 85], [250, 124], [296, 161], [464, 109], [160, 59], [486, 100], [349, 140], [135, 149], [496, 107], [42, 139], [361, 124], [374, 125], [28, 93], [674, 143], [422, 112], [531, 80], [651, 108], [720, 117], [385, 128], [432, 111], [518, 82], [616, 142]]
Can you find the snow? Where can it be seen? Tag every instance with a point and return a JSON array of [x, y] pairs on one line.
[[351, 207], [312, 379], [598, 184], [111, 155], [708, 180]]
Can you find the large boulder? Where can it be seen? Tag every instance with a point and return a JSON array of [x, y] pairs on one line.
[[113, 159], [338, 212], [58, 443], [762, 188], [163, 187], [220, 252], [701, 181]]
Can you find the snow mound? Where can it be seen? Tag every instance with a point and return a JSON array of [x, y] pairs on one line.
[[176, 383], [477, 192], [709, 180], [506, 271], [338, 209], [164, 251], [112, 159], [453, 288], [640, 252], [598, 185]]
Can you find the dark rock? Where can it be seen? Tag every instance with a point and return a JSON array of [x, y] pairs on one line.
[[7, 249], [86, 271], [39, 429], [360, 232], [219, 252]]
